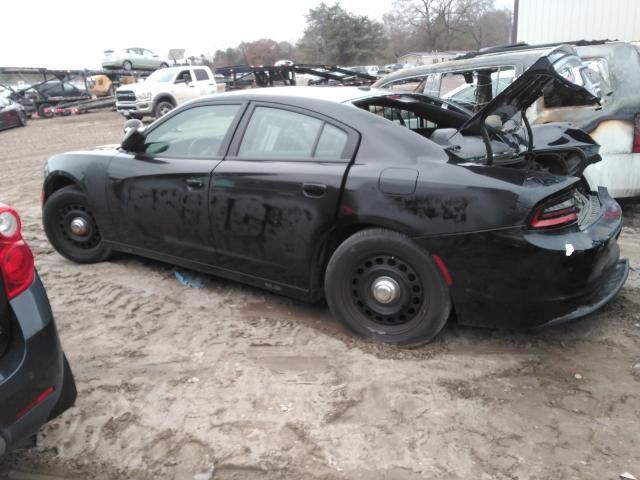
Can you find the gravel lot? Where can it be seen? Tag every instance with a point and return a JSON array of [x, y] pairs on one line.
[[174, 381]]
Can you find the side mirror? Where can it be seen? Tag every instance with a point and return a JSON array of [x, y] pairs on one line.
[[132, 123], [133, 139]]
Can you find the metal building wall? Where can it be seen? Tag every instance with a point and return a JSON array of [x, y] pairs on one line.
[[544, 21]]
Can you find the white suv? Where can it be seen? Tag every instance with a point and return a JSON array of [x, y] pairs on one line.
[[164, 90]]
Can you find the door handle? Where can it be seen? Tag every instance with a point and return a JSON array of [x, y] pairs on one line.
[[314, 190], [194, 183]]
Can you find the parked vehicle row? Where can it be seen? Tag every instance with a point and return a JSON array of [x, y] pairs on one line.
[[398, 208]]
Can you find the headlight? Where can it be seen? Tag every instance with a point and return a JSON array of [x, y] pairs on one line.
[[144, 96]]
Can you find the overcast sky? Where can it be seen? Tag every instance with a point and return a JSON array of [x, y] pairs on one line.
[[74, 34]]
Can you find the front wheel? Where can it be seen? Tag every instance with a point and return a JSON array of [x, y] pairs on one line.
[[71, 227], [126, 65], [164, 65], [162, 108], [384, 287]]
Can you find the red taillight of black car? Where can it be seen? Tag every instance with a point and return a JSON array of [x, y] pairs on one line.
[[558, 212], [16, 260]]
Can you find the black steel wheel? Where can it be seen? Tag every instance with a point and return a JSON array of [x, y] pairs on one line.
[[72, 228], [383, 286]]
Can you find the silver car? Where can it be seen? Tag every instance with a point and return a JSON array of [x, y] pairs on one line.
[[133, 59]]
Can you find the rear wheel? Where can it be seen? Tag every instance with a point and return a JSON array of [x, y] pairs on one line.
[[384, 287], [72, 228], [45, 110], [126, 65], [164, 65]]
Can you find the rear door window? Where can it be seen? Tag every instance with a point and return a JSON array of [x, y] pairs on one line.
[[332, 143], [201, 74], [277, 133], [274, 133]]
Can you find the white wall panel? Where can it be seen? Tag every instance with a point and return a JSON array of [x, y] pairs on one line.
[[544, 21]]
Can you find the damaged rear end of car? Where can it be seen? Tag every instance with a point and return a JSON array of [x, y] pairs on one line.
[[527, 242]]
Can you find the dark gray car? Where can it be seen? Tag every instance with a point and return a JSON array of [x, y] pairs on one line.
[[36, 383]]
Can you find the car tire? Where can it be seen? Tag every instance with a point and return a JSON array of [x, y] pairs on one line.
[[22, 117], [164, 65], [411, 303], [162, 108], [60, 210], [126, 65], [43, 112]]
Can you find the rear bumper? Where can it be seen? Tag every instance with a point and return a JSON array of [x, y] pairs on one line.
[[32, 368], [112, 62], [609, 287]]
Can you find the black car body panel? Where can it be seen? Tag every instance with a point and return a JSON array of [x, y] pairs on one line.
[[32, 363], [275, 222]]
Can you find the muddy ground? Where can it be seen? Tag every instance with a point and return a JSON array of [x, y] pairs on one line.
[[175, 381]]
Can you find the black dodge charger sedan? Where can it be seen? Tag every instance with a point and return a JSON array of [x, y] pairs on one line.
[[36, 383], [399, 209]]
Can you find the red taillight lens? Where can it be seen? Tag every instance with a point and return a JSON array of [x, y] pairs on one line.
[[558, 212], [16, 259], [636, 134]]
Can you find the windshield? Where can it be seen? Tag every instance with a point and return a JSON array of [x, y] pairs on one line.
[[163, 75]]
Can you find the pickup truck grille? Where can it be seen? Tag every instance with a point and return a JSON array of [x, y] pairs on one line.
[[125, 96]]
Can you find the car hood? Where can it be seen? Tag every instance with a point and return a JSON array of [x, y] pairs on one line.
[[528, 87]]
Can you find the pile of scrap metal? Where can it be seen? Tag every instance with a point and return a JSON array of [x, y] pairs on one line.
[[49, 92], [250, 76]]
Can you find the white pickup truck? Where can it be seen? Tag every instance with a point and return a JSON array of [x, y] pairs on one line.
[[165, 89]]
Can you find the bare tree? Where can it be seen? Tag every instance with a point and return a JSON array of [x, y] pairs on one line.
[[448, 24]]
